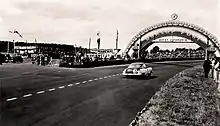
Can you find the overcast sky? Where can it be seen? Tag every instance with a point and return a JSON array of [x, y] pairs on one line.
[[74, 21]]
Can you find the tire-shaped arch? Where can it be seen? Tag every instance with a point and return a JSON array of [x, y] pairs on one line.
[[173, 23], [149, 40]]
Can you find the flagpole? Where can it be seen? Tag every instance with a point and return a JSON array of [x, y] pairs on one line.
[[8, 48], [26, 47], [35, 40], [14, 45], [15, 32], [89, 43], [98, 42], [117, 41], [75, 49]]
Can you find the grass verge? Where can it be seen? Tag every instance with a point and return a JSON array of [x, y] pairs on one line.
[[186, 99]]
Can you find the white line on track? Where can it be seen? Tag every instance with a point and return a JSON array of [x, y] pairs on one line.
[[28, 95], [51, 89], [40, 92], [84, 82], [77, 83], [11, 99], [61, 87], [70, 85]]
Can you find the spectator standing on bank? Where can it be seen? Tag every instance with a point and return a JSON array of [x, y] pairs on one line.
[[216, 69], [2, 58], [38, 60], [42, 60], [50, 62], [213, 65], [207, 66], [46, 60], [33, 59]]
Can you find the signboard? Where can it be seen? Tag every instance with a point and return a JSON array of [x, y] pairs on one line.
[[25, 47], [102, 50], [173, 40]]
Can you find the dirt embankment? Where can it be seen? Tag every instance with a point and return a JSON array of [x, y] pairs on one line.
[[186, 99]]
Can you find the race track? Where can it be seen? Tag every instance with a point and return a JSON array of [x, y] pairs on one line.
[[42, 96]]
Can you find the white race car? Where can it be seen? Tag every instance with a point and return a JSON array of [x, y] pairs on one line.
[[138, 68]]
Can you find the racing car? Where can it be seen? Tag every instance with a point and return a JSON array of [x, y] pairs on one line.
[[138, 69]]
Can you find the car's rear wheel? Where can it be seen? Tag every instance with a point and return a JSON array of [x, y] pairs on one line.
[[150, 74]]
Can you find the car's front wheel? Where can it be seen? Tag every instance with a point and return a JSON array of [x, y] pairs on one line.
[[149, 74]]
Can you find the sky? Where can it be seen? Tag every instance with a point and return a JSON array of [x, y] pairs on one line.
[[75, 21]]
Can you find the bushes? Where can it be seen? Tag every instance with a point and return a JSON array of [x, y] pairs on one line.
[[186, 99]]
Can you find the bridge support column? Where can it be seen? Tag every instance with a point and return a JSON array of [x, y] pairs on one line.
[[206, 50], [139, 48]]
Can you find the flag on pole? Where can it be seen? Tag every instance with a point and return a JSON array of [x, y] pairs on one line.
[[16, 32], [98, 40]]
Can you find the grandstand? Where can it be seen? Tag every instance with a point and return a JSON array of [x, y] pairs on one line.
[[54, 50]]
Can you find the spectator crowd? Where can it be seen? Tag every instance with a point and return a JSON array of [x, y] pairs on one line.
[[177, 53]]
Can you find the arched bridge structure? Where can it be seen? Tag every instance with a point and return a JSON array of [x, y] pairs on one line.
[[198, 35]]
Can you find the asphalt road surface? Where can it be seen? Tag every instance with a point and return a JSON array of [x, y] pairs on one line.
[[42, 96]]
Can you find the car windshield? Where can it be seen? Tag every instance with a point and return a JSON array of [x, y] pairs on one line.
[[135, 66]]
